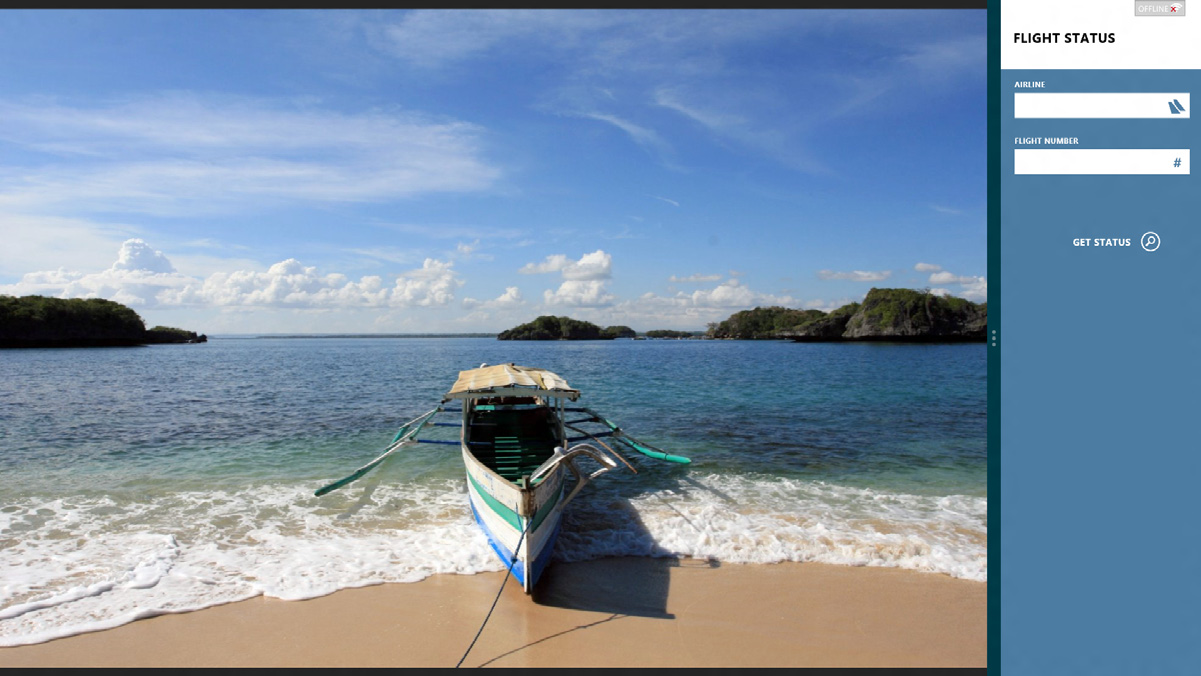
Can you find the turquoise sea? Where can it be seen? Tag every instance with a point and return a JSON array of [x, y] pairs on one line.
[[143, 481]]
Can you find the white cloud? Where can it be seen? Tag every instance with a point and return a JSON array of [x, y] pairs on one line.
[[939, 61], [975, 290], [448, 231], [431, 38], [43, 242], [433, 284], [696, 64], [144, 277], [585, 282], [509, 299], [721, 122], [972, 288], [138, 277], [694, 278], [599, 104], [927, 267], [730, 293], [647, 138], [553, 263], [606, 40], [593, 266], [389, 254], [136, 254], [597, 265], [179, 153], [50, 279], [945, 277], [855, 276], [285, 284], [828, 306], [579, 292], [465, 252], [690, 311], [589, 300], [770, 138]]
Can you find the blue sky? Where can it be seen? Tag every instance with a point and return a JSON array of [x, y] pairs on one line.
[[468, 170]]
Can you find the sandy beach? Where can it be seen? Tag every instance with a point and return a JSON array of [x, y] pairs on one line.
[[608, 612]]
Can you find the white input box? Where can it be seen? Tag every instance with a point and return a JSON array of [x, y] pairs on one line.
[[1101, 105], [1101, 161]]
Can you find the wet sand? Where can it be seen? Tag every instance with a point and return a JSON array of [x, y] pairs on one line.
[[610, 612]]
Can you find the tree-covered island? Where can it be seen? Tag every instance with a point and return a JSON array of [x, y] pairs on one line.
[[669, 334], [899, 315], [903, 315], [40, 321], [548, 327]]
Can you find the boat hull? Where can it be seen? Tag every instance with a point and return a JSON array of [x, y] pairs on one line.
[[521, 524]]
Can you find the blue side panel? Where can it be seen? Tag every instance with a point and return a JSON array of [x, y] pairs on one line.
[[543, 558], [503, 552]]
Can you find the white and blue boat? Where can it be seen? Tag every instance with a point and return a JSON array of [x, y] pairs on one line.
[[521, 465]]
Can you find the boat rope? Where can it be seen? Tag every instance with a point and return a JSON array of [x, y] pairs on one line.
[[508, 572]]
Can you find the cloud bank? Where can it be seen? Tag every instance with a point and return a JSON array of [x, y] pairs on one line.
[[855, 276], [970, 287], [585, 281], [143, 277], [175, 153]]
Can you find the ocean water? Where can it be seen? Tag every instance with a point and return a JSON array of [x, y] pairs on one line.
[[171, 478]]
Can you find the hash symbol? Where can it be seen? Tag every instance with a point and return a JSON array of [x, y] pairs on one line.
[[1176, 163]]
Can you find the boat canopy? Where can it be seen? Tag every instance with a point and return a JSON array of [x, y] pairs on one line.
[[509, 380]]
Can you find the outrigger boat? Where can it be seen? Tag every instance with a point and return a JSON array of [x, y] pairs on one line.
[[517, 454]]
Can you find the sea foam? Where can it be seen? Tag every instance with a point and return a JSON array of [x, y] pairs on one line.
[[85, 563]]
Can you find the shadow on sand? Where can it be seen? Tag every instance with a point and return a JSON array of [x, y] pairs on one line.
[[624, 585], [614, 587], [633, 586]]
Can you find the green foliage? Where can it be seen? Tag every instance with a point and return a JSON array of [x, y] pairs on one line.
[[917, 311], [167, 334], [618, 332], [764, 323], [35, 321], [888, 306], [845, 310], [892, 313], [883, 314], [668, 333], [548, 327]]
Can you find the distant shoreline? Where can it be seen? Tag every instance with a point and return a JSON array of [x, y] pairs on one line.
[[920, 340], [293, 336]]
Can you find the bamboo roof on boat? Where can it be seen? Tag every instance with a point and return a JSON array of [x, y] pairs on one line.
[[510, 379]]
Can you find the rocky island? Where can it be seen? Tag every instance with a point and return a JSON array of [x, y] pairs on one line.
[[548, 327], [40, 321], [899, 315], [669, 334]]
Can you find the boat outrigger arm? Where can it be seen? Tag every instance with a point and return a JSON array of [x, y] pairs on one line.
[[407, 435], [567, 457], [620, 435]]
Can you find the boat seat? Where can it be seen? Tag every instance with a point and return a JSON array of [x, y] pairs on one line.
[[512, 442]]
